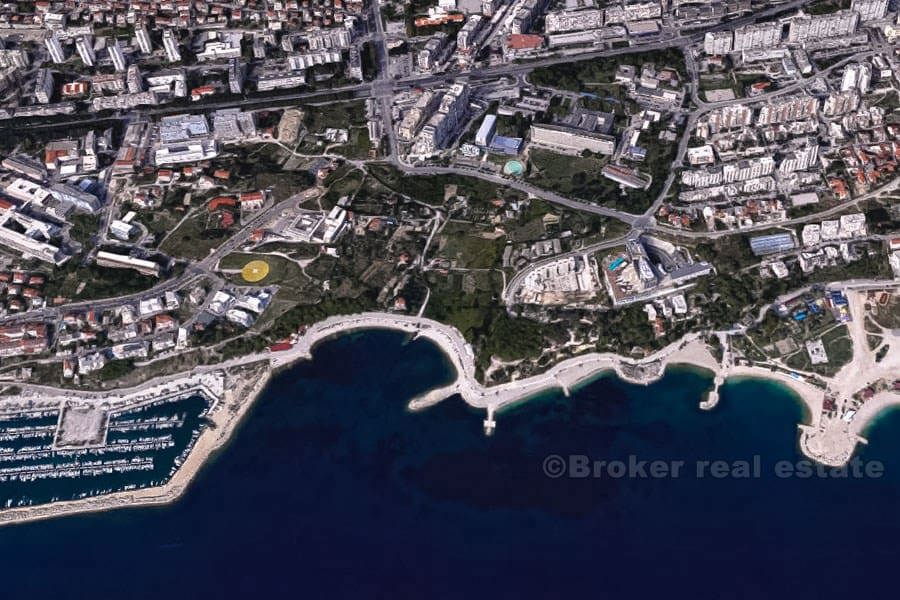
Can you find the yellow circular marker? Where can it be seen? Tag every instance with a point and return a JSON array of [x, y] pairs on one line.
[[255, 270]]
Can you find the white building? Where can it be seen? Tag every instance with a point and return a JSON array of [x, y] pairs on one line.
[[730, 117], [133, 79], [701, 155], [852, 225], [758, 35], [425, 104], [170, 44], [117, 57], [639, 11], [54, 47], [298, 61], [123, 261], [486, 132], [334, 225], [466, 36], [150, 307], [818, 27], [748, 169], [85, 47], [232, 124], [571, 141], [787, 109], [17, 58], [857, 77], [43, 86], [186, 152], [573, 20], [811, 234], [454, 105], [729, 172], [236, 72], [221, 47], [839, 103], [239, 317], [329, 38], [428, 56], [130, 350], [26, 191], [75, 196], [143, 40], [275, 79], [29, 237], [800, 160], [870, 10], [90, 363], [718, 42], [122, 229]]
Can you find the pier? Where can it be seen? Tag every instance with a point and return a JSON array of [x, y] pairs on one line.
[[712, 399], [490, 424]]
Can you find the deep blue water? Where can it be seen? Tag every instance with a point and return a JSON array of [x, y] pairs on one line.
[[331, 489]]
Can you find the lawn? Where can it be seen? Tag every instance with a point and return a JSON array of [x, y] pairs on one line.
[[344, 181], [339, 115], [83, 227], [158, 222], [469, 248], [192, 239], [569, 174], [295, 250]]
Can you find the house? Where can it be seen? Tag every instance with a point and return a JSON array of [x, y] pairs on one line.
[[251, 200]]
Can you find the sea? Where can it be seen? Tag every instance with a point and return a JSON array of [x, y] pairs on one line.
[[332, 488]]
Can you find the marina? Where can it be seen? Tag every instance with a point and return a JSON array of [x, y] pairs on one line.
[[123, 450]]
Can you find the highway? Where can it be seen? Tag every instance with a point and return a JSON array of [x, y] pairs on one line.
[[379, 88]]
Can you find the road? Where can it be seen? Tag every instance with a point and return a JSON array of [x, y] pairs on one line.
[[525, 187]]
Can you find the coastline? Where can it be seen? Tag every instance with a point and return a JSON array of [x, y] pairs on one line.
[[567, 375], [880, 406]]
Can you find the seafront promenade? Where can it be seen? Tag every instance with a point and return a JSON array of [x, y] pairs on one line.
[[565, 375], [234, 385]]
